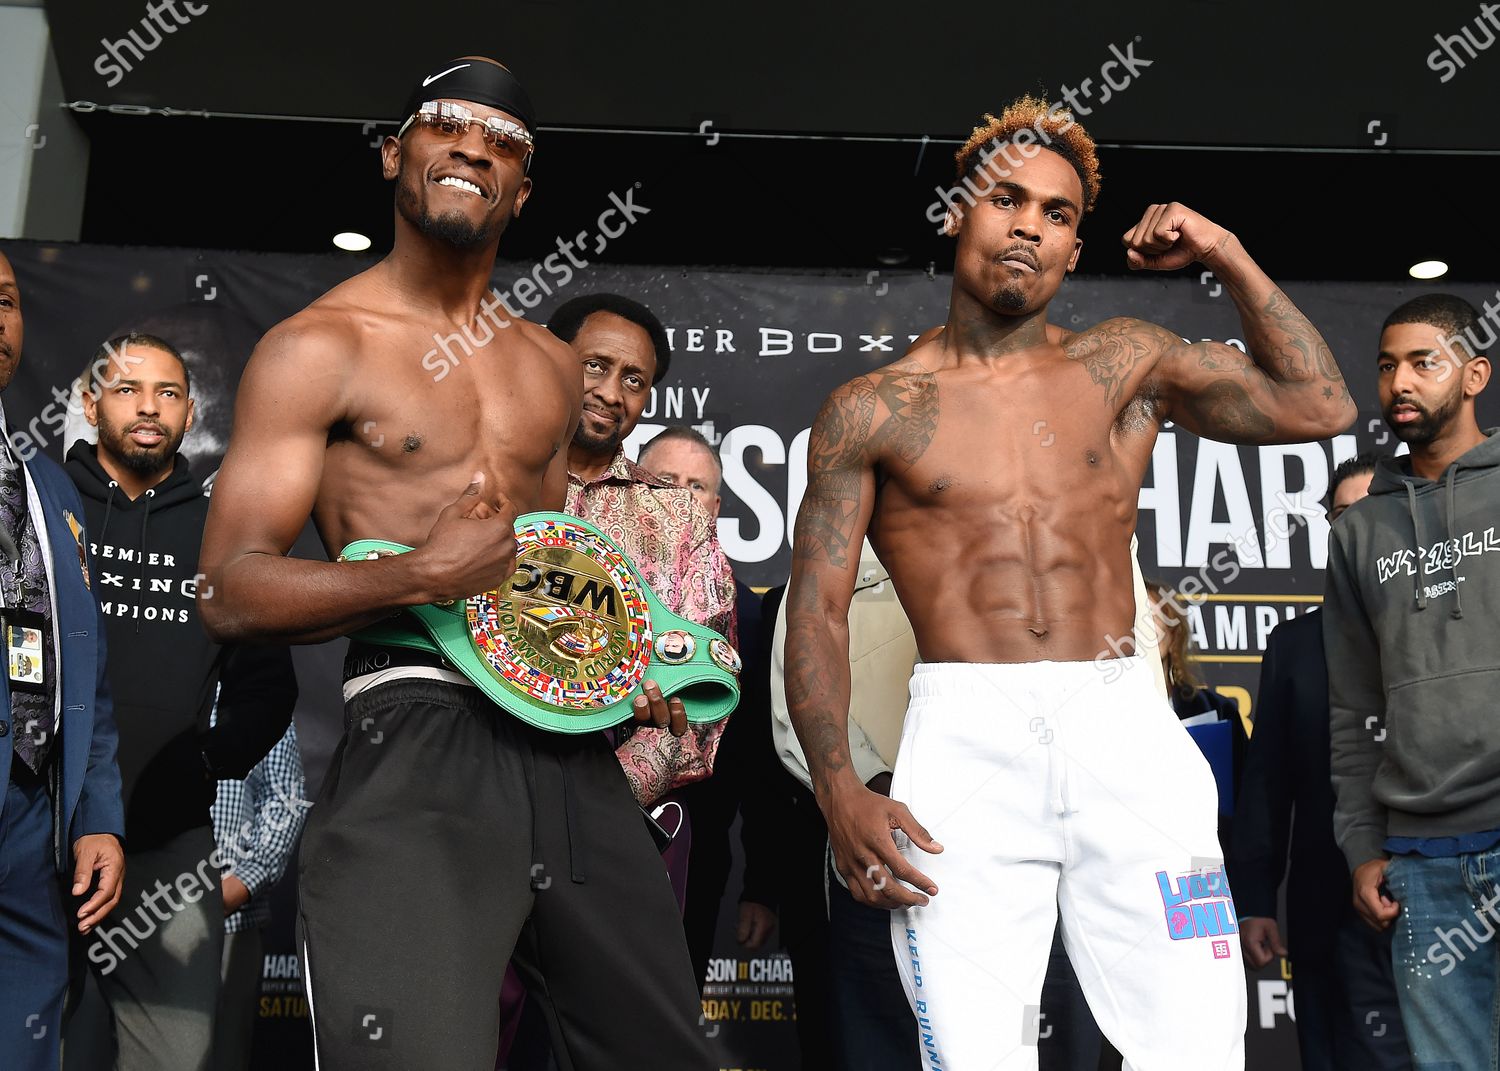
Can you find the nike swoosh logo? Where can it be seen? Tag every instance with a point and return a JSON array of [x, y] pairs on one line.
[[450, 70]]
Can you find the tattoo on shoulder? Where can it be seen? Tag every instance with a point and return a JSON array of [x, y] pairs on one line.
[[1112, 351], [845, 435], [911, 399], [835, 458]]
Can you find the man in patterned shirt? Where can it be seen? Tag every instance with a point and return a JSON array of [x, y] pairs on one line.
[[671, 539], [665, 531], [256, 823]]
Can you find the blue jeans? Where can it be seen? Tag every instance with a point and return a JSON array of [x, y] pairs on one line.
[[1445, 958]]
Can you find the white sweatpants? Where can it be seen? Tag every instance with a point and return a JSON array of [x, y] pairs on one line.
[[1063, 786]]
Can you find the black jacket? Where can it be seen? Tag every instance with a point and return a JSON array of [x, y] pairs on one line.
[[1286, 794], [163, 668]]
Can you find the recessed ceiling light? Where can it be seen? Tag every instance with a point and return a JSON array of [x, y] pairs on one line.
[[1428, 269], [354, 242]]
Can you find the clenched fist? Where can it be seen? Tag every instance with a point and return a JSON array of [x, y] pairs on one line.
[[1171, 236]]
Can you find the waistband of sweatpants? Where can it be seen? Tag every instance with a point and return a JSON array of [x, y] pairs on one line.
[[364, 658], [948, 679], [382, 698]]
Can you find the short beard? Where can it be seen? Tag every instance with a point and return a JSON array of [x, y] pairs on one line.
[[1428, 426], [451, 230], [598, 444], [143, 461]]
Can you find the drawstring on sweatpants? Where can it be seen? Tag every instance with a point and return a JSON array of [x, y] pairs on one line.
[[570, 818], [529, 768], [539, 880]]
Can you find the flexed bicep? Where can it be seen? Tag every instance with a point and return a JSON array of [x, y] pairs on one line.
[[1211, 389], [1217, 392]]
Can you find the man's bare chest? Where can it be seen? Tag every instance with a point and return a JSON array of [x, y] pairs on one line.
[[515, 410], [1037, 439]]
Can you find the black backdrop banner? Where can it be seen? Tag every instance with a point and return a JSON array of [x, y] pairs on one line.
[[1241, 529]]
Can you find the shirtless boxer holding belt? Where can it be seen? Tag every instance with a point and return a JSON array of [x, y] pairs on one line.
[[448, 834]]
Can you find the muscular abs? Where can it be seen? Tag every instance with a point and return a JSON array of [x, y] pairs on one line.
[[1004, 499]]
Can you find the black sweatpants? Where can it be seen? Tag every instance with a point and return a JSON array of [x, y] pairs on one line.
[[450, 838]]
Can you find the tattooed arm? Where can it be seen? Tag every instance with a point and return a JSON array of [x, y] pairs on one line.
[[889, 415], [1287, 389], [829, 532]]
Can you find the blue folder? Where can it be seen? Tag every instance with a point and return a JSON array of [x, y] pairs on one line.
[[1217, 746]]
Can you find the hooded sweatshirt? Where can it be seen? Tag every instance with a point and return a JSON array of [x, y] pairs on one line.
[[163, 669], [1410, 626]]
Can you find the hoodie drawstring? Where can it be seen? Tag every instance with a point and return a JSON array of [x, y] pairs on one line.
[[109, 501], [1416, 524], [1458, 590], [1442, 548], [140, 578]]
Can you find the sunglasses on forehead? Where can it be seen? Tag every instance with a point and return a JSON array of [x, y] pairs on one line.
[[504, 137]]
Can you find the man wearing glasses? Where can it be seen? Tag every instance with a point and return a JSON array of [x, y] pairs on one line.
[[448, 835]]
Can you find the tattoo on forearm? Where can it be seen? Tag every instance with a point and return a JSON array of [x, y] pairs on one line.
[[812, 691], [1297, 349], [809, 687]]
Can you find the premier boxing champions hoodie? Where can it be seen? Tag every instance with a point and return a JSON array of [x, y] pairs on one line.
[[163, 669], [1410, 627]]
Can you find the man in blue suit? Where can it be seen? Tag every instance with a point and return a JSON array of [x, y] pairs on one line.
[[61, 812], [1347, 1018]]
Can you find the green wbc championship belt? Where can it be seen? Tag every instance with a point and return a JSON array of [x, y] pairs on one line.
[[570, 639]]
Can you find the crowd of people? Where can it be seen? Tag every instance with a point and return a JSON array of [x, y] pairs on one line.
[[951, 801]]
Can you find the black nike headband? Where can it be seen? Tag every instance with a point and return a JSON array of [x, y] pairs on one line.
[[476, 81]]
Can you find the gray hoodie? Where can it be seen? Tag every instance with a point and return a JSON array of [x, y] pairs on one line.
[[1413, 645]]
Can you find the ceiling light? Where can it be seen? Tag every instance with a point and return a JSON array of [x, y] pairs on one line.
[[354, 242], [1428, 269]]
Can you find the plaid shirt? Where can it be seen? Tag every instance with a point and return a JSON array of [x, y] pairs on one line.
[[673, 542], [256, 822]]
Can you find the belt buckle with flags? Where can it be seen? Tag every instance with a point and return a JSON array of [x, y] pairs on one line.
[[572, 637]]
